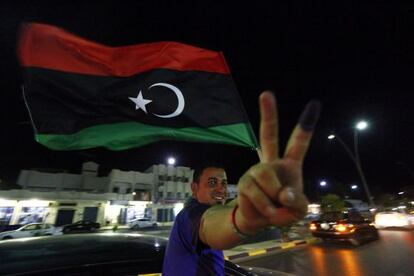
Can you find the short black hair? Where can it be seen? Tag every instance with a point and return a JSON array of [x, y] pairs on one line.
[[198, 170]]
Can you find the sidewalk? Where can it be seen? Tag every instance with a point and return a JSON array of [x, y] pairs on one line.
[[298, 235], [256, 249], [111, 227]]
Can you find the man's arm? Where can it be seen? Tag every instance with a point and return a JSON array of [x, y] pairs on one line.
[[270, 192], [215, 228]]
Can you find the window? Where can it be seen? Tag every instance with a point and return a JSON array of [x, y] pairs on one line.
[[32, 227], [128, 191], [171, 215], [169, 195], [178, 195], [67, 204], [115, 190], [160, 194], [169, 178], [355, 217]]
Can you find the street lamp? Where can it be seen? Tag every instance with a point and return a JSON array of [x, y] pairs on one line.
[[171, 161], [361, 125], [323, 183], [354, 187]]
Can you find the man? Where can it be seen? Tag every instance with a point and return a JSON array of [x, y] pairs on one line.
[[186, 253], [269, 193]]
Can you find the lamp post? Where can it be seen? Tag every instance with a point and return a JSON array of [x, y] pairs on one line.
[[355, 156], [323, 184]]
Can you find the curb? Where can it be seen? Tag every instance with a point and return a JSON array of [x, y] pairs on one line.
[[257, 252]]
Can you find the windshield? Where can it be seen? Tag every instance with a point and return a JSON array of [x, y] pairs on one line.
[[333, 216]]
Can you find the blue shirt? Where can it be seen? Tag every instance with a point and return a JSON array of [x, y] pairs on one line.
[[186, 254]]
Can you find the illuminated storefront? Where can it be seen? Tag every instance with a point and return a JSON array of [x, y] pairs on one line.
[[314, 209], [138, 210], [32, 211], [6, 211], [117, 211]]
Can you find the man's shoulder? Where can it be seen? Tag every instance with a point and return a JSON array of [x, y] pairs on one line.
[[193, 204], [193, 208]]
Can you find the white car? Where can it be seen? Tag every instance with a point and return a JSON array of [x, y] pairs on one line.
[[396, 218], [31, 230], [142, 223]]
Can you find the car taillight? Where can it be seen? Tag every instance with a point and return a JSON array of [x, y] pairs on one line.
[[341, 228], [312, 226], [344, 227]]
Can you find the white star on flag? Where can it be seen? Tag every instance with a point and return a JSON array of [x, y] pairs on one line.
[[140, 102]]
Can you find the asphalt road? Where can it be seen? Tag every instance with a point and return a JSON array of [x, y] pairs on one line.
[[392, 255]]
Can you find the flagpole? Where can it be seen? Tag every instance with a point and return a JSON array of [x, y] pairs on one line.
[[259, 153]]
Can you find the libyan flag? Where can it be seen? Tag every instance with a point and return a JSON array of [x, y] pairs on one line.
[[81, 94]]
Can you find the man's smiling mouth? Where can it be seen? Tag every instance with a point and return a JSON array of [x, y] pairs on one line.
[[218, 197]]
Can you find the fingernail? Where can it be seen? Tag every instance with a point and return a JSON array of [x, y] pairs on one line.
[[270, 211], [310, 115], [288, 197]]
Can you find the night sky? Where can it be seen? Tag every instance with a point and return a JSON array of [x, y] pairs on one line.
[[357, 58]]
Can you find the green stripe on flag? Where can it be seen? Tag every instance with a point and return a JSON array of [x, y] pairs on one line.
[[121, 136]]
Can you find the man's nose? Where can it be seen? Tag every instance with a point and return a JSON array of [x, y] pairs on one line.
[[220, 187]]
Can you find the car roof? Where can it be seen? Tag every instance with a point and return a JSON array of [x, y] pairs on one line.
[[47, 253]]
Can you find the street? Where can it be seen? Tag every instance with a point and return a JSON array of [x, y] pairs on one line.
[[393, 254]]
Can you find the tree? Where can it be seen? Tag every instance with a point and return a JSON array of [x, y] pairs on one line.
[[332, 202], [386, 200]]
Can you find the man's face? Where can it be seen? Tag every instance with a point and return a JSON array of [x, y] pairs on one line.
[[212, 187]]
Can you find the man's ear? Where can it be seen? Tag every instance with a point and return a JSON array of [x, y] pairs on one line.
[[194, 188]]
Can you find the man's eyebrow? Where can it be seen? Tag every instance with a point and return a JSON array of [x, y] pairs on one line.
[[216, 178]]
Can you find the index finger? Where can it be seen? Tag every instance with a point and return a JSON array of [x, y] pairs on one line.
[[299, 141], [269, 128]]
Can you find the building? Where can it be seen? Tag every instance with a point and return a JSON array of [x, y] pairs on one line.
[[61, 198]]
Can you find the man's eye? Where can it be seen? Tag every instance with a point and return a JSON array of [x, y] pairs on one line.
[[212, 183]]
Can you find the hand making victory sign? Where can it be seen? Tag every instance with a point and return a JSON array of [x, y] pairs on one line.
[[271, 192]]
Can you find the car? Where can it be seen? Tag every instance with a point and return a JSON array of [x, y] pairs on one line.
[[81, 226], [395, 218], [142, 223], [9, 227], [93, 254], [31, 230], [344, 226]]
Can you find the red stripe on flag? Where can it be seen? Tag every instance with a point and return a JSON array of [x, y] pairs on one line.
[[53, 48]]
